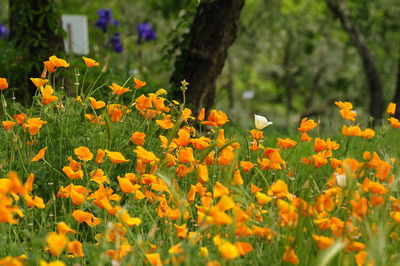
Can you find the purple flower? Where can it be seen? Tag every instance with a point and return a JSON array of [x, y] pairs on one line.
[[146, 32], [116, 43], [3, 31], [105, 13], [105, 19]]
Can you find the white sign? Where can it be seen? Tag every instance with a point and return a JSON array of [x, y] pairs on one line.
[[77, 40]]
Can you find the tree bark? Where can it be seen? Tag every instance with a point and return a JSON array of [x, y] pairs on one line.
[[36, 32], [376, 106], [213, 31], [396, 97]]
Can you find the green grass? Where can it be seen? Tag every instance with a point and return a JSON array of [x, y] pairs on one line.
[[67, 129]]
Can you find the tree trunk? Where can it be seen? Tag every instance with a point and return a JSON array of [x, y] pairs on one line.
[[396, 97], [370, 68], [213, 31], [36, 32]]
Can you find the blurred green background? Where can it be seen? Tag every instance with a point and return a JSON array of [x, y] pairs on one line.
[[291, 58]]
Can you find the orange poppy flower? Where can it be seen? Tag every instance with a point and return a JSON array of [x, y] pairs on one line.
[[138, 138], [306, 125], [202, 173], [351, 130], [181, 230], [116, 157], [275, 159], [279, 189], [34, 202], [49, 67], [126, 186], [262, 198], [323, 242], [394, 123], [3, 84], [56, 243], [38, 82], [367, 133], [74, 164], [290, 256], [128, 220], [29, 183], [243, 247], [87, 217], [228, 251], [237, 178], [55, 62], [226, 156], [89, 62], [94, 119], [75, 248], [83, 153], [39, 155], [286, 143], [165, 123], [216, 119], [20, 118], [7, 125], [201, 115], [361, 259], [220, 190], [344, 105], [305, 137], [71, 174], [348, 114], [96, 104], [144, 155], [246, 165], [186, 155], [391, 109], [154, 259], [117, 89], [98, 176], [63, 229], [47, 95], [99, 156], [34, 125], [138, 83], [200, 143]]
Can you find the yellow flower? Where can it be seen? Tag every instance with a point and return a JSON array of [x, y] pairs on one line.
[[56, 243], [228, 251]]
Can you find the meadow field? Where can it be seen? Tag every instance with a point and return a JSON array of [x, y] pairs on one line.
[[114, 176]]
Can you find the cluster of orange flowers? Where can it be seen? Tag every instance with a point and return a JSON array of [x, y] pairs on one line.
[[208, 207]]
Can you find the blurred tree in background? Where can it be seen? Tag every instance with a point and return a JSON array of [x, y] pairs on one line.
[[35, 33], [291, 58], [213, 31]]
